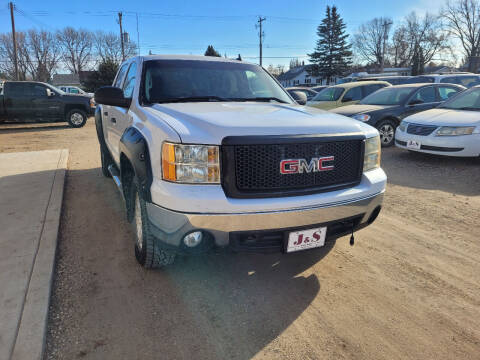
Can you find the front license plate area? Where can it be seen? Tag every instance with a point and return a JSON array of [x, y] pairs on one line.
[[306, 239], [412, 144]]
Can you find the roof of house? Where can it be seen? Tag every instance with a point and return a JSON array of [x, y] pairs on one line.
[[65, 79], [293, 73]]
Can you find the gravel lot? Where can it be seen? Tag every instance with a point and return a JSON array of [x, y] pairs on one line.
[[409, 288]]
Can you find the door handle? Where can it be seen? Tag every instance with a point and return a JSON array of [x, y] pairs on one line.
[[113, 120]]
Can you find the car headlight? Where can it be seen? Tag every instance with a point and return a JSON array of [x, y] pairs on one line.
[[403, 126], [372, 155], [361, 117], [455, 130], [199, 164]]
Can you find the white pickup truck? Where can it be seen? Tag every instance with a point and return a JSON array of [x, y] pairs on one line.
[[214, 153]]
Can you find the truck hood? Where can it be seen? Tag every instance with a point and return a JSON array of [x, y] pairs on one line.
[[445, 117], [359, 109], [210, 122]]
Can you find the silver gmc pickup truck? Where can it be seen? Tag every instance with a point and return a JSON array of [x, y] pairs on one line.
[[212, 153]]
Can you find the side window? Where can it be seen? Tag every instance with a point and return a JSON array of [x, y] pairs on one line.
[[368, 89], [120, 74], [63, 89], [74, 91], [17, 90], [425, 95], [39, 91], [353, 94], [129, 83], [450, 80], [446, 92]]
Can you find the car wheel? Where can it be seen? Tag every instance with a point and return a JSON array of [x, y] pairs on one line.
[[386, 128], [106, 160], [147, 250], [76, 118]]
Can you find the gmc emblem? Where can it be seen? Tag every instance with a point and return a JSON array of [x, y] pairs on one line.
[[299, 166]]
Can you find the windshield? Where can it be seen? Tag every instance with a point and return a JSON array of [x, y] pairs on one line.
[[388, 96], [194, 80], [329, 94], [469, 100]]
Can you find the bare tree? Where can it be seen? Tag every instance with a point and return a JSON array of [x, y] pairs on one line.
[[76, 48], [463, 21], [370, 40], [399, 48], [44, 54], [108, 46], [7, 57]]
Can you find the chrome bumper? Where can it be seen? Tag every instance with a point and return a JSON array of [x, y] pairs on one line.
[[170, 226]]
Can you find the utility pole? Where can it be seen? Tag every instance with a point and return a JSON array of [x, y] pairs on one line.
[[138, 37], [261, 34], [385, 26], [15, 61], [121, 34]]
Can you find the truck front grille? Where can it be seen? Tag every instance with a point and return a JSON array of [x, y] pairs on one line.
[[253, 169]]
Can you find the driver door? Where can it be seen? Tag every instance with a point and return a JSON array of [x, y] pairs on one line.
[[423, 99]]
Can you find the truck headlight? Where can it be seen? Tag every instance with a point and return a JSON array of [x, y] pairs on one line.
[[372, 155], [403, 126], [455, 130], [195, 164], [361, 117]]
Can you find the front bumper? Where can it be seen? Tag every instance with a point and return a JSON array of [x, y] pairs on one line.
[[169, 227], [465, 145]]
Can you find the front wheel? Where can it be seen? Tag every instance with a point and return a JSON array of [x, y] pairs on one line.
[[147, 251], [386, 128], [76, 118]]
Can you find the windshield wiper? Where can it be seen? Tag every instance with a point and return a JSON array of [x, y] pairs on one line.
[[260, 99], [189, 99]]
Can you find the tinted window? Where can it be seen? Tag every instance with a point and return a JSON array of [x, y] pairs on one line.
[[369, 89], [468, 100], [353, 94], [388, 96], [329, 94], [420, 79], [167, 80], [467, 81], [120, 74], [425, 95], [129, 83], [446, 92], [16, 89], [74, 91], [38, 91]]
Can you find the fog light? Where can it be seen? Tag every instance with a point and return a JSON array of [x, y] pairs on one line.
[[193, 239]]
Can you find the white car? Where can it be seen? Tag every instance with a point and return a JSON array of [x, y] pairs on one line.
[[452, 129], [74, 90]]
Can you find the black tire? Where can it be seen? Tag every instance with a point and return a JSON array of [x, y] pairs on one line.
[[148, 254], [73, 118], [106, 160], [387, 132]]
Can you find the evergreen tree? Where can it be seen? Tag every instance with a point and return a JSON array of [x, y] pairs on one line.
[[332, 56], [212, 52], [103, 76]]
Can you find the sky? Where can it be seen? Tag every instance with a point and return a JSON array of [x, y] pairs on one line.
[[188, 27]]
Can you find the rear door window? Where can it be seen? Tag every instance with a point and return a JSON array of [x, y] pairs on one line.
[[446, 92], [425, 95], [369, 89], [354, 94]]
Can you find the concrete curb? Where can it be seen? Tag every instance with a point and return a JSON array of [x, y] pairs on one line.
[[30, 341]]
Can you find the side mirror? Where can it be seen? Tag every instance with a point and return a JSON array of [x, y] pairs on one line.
[[50, 93], [415, 102], [110, 95], [347, 99], [299, 97]]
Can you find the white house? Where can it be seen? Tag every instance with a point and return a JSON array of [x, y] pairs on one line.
[[299, 76]]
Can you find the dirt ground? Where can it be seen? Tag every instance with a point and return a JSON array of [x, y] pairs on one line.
[[408, 289]]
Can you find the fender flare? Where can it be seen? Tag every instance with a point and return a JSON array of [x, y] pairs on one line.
[[135, 148], [99, 127]]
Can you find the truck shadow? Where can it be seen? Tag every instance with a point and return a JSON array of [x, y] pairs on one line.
[[245, 301], [32, 127], [432, 172]]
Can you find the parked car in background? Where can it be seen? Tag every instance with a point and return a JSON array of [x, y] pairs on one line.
[[74, 90], [385, 108], [345, 94], [452, 129], [392, 80], [467, 80], [36, 101], [309, 93]]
